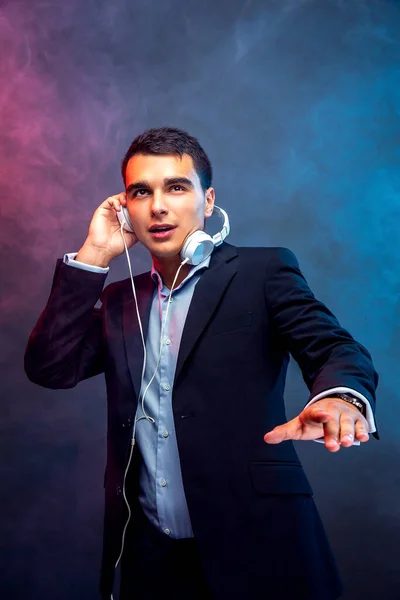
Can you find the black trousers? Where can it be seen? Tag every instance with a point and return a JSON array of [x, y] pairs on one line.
[[155, 566]]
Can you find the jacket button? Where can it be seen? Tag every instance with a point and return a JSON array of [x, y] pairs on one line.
[[118, 489]]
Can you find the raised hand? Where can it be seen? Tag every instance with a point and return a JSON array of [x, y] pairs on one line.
[[104, 241]]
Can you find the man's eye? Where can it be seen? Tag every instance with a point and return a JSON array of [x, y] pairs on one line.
[[139, 192], [180, 187]]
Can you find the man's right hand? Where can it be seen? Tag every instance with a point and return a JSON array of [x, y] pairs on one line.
[[104, 241]]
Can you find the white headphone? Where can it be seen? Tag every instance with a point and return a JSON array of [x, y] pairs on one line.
[[199, 245]]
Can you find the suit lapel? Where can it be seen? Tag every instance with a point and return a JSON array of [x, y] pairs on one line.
[[207, 294], [144, 286]]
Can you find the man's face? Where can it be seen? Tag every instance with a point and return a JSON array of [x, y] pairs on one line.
[[164, 190]]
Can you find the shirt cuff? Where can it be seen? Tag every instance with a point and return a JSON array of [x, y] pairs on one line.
[[369, 415], [69, 259]]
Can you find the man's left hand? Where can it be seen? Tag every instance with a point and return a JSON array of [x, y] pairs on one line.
[[337, 421]]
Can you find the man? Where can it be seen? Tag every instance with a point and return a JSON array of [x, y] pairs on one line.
[[221, 508]]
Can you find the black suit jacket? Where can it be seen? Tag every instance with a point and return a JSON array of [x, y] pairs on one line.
[[250, 503]]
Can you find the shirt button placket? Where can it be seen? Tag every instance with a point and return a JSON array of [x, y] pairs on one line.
[[166, 387]]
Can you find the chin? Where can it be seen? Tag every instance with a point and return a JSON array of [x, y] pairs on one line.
[[163, 251], [172, 254]]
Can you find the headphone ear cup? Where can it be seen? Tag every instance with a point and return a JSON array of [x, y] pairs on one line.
[[124, 219], [198, 246]]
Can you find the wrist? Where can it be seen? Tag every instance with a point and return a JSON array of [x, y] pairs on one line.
[[90, 255]]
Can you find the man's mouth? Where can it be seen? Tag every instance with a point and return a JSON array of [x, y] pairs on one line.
[[161, 232], [158, 228]]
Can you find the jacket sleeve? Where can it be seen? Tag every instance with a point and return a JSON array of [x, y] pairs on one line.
[[66, 344], [327, 354]]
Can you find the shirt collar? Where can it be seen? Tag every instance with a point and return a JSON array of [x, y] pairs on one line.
[[194, 269]]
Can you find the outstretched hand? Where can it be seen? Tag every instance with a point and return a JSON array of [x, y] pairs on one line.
[[335, 420]]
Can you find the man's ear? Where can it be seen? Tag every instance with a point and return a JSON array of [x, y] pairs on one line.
[[210, 199]]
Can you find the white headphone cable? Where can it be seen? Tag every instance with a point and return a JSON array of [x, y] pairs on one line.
[[137, 312], [146, 416], [162, 334], [150, 419]]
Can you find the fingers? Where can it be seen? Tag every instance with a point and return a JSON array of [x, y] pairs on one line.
[[332, 432], [281, 433], [276, 436], [347, 423], [361, 430], [115, 202], [122, 198], [353, 427], [343, 428], [340, 424]]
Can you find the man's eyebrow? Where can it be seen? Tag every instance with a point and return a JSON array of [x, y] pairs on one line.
[[144, 185], [178, 181], [138, 185]]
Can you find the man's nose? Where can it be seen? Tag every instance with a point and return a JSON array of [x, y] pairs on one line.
[[158, 206]]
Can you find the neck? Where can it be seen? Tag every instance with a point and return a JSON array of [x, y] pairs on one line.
[[167, 267]]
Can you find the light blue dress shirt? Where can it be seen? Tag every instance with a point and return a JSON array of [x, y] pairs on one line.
[[162, 495]]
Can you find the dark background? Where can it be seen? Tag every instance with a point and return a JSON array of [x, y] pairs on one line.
[[297, 104]]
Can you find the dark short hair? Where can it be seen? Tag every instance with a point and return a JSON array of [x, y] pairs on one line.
[[170, 140]]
